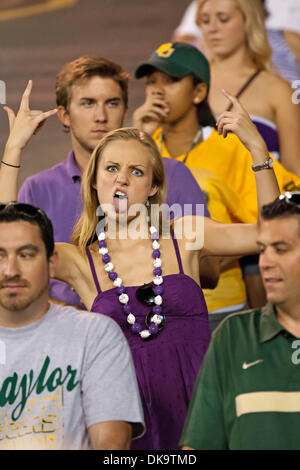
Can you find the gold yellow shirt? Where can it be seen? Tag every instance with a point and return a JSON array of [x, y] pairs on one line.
[[222, 168]]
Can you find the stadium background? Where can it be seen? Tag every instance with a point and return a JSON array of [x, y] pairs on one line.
[[37, 37]]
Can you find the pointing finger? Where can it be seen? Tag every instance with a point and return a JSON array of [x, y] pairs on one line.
[[47, 114], [40, 115], [233, 99], [43, 117], [25, 98]]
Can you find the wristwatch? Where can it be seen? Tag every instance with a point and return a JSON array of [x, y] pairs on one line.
[[267, 165]]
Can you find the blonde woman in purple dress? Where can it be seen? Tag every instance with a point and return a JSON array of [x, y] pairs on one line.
[[148, 282]]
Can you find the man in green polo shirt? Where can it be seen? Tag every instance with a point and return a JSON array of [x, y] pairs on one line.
[[247, 394]]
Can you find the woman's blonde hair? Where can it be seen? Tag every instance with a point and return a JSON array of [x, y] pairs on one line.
[[256, 34], [85, 230]]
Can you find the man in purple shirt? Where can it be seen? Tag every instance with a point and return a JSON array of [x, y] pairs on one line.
[[92, 99]]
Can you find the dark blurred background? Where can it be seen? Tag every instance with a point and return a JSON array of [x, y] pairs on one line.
[[38, 37]]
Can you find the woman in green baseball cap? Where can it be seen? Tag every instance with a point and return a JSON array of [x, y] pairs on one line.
[[187, 70]]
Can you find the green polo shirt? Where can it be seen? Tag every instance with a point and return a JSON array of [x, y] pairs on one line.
[[247, 393]]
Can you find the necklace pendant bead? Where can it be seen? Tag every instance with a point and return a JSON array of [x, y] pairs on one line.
[[127, 308], [106, 258], [158, 290], [156, 254], [153, 329], [156, 319], [158, 280], [145, 334], [118, 282], [123, 298], [155, 245], [103, 251], [101, 236], [158, 300], [155, 236], [157, 271], [152, 229], [145, 294], [112, 276], [136, 328], [102, 244], [157, 310], [109, 267], [157, 263], [131, 319]]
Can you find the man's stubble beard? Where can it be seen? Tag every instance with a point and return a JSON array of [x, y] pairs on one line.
[[21, 302]]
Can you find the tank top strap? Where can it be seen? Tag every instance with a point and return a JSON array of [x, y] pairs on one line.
[[244, 87], [92, 266], [177, 252]]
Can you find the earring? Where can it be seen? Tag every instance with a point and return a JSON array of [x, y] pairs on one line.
[[147, 204], [196, 100]]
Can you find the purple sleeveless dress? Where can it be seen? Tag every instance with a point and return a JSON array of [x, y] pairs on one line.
[[167, 365], [268, 131]]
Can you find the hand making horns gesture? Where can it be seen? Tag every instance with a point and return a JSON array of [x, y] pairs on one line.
[[27, 122]]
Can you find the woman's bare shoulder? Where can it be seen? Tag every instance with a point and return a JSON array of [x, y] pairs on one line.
[[67, 249], [70, 255], [273, 81], [273, 89]]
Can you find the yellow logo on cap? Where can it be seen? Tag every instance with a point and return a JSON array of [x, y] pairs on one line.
[[165, 50]]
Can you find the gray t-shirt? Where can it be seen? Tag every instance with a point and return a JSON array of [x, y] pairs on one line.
[[62, 374]]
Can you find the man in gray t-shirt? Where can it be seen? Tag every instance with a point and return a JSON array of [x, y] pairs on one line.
[[66, 376]]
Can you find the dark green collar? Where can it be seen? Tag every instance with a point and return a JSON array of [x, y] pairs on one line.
[[269, 325]]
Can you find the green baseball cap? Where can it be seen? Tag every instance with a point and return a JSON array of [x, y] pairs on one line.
[[176, 59]]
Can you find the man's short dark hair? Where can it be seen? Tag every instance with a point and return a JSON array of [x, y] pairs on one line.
[[15, 212], [280, 208]]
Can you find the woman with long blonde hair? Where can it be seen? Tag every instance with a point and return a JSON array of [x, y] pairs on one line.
[[236, 41], [147, 281]]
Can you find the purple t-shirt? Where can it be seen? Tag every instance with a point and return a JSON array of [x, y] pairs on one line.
[[183, 189], [57, 192]]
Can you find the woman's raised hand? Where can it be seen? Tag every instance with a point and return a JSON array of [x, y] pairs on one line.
[[152, 113], [27, 122], [239, 122]]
